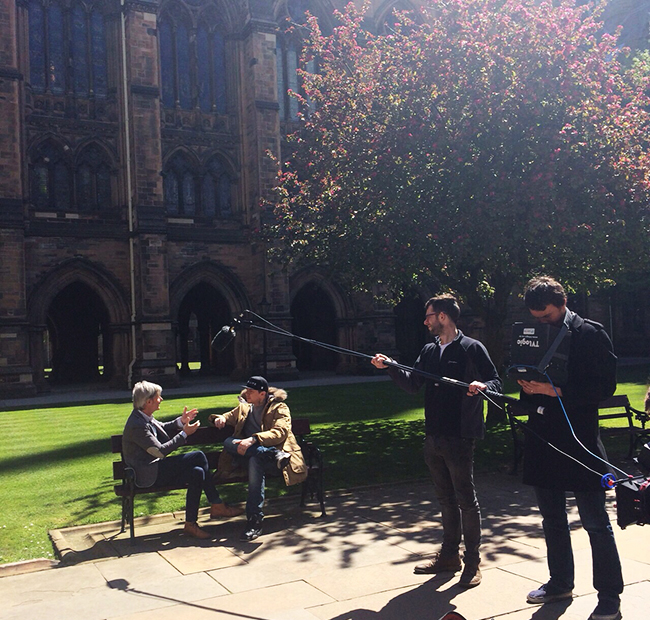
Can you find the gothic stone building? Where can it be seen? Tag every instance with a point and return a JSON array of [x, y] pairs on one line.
[[134, 138], [133, 155]]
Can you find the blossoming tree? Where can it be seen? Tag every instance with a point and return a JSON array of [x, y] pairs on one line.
[[475, 145]]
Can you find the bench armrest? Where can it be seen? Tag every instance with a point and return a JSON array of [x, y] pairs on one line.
[[641, 416]]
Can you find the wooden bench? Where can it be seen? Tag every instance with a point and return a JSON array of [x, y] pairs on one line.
[[210, 439], [616, 407]]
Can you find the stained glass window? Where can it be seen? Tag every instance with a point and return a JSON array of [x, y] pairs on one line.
[[93, 178], [80, 51], [84, 188], [225, 209], [183, 60], [61, 185], [36, 45], [208, 196], [203, 58], [98, 46], [104, 194], [193, 69], [170, 191], [50, 178], [219, 69], [216, 190], [67, 49], [179, 186], [189, 197], [56, 49], [281, 78], [167, 63], [40, 186]]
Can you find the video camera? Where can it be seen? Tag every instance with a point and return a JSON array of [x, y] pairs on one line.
[[633, 495], [538, 350]]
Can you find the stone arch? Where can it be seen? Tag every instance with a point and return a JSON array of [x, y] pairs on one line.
[[283, 10], [378, 21], [92, 142], [320, 311], [204, 298], [106, 297], [219, 14]]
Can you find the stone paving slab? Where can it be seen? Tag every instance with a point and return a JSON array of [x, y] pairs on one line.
[[356, 564]]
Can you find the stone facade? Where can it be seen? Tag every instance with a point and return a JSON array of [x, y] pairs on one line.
[[98, 278], [130, 183]]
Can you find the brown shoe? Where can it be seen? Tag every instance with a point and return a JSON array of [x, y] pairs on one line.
[[470, 577], [193, 530], [223, 510], [439, 564]]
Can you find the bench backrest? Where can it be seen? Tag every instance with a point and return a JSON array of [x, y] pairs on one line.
[[618, 401], [206, 435]]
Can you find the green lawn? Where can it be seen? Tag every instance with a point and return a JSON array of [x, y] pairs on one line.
[[55, 468]]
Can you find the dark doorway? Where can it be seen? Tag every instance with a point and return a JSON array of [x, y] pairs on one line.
[[410, 332], [78, 336], [203, 312], [314, 318]]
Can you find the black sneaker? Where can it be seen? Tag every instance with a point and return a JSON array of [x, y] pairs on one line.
[[606, 612], [282, 459], [252, 531]]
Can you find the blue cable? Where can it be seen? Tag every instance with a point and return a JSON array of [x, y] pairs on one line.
[[607, 480]]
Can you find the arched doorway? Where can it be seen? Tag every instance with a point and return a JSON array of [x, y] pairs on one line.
[[410, 332], [202, 313], [314, 317], [77, 336]]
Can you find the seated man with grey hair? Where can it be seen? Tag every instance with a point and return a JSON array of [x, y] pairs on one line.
[[146, 444]]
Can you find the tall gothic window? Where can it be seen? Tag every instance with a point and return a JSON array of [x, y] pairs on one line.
[[181, 182], [192, 63], [211, 70], [93, 180], [67, 48], [50, 178], [179, 186], [216, 190], [288, 50]]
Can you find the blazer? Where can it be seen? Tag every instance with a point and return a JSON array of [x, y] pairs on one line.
[[145, 441]]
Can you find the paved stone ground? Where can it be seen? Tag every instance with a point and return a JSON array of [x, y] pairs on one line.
[[354, 564]]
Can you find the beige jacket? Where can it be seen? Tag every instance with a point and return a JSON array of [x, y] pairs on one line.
[[276, 432]]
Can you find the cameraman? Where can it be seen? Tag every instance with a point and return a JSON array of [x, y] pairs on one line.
[[591, 378]]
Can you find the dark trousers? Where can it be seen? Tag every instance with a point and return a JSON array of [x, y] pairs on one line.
[[451, 463], [260, 462], [608, 579], [191, 469]]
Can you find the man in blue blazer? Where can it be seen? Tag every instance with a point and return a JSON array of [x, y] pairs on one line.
[[146, 444]]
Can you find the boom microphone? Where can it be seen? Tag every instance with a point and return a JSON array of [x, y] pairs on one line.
[[227, 334], [223, 338]]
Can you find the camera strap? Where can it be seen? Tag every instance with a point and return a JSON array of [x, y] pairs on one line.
[[548, 356]]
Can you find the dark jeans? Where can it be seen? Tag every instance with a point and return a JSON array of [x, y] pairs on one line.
[[608, 579], [190, 468], [451, 463], [260, 461]]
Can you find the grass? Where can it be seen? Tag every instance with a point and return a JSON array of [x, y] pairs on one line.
[[55, 463]]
